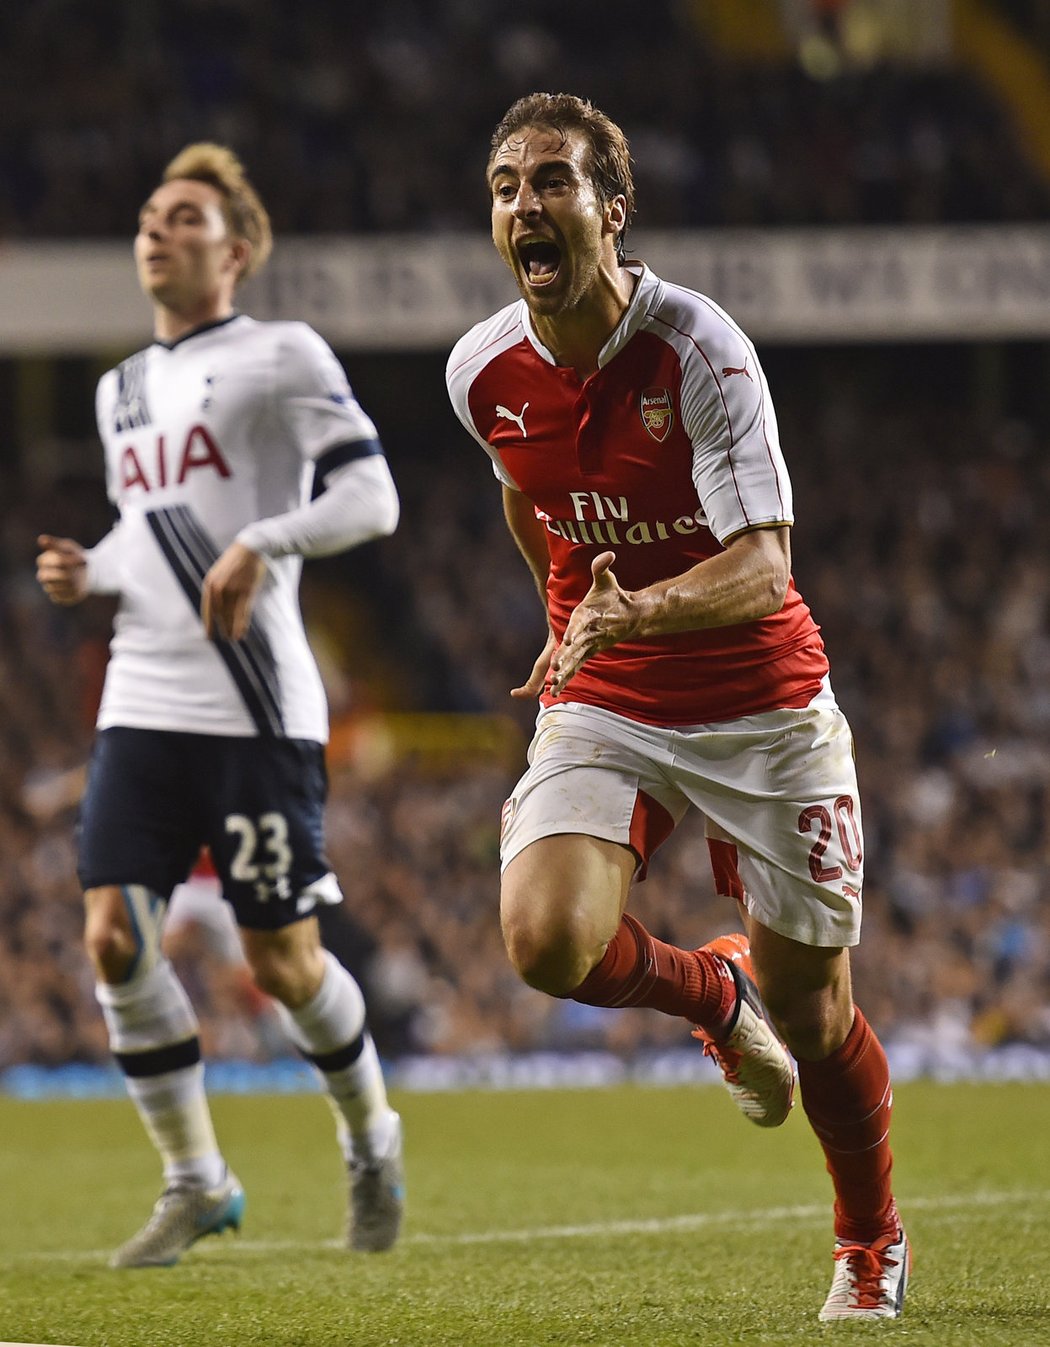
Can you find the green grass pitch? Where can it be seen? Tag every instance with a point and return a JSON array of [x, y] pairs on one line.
[[623, 1216]]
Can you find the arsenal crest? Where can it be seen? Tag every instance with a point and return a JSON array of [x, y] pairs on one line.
[[657, 412]]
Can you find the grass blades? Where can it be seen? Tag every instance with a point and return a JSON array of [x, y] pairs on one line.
[[614, 1217]]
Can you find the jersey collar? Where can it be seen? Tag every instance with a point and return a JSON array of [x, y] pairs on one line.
[[196, 331], [631, 320]]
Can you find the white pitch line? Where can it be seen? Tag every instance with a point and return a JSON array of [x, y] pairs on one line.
[[601, 1229]]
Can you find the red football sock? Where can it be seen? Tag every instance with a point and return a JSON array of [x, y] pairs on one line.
[[638, 970], [848, 1100]]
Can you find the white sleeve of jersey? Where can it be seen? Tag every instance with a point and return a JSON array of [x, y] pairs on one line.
[[314, 397], [103, 561], [103, 564], [360, 502], [462, 368], [738, 467]]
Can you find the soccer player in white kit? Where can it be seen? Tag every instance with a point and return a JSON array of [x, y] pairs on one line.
[[233, 449], [630, 425]]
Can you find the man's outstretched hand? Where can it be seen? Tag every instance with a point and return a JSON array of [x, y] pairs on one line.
[[605, 616]]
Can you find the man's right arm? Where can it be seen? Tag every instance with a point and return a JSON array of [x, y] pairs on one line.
[[61, 569], [68, 572], [531, 538]]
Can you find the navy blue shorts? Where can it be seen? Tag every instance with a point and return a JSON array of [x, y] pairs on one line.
[[155, 797]]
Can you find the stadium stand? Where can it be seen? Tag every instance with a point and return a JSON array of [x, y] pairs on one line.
[[355, 117], [926, 564], [922, 546]]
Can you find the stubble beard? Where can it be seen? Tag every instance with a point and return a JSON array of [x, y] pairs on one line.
[[571, 298]]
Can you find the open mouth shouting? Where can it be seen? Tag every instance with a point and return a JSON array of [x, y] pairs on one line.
[[541, 261]]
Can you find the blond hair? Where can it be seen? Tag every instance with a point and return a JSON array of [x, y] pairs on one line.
[[245, 215]]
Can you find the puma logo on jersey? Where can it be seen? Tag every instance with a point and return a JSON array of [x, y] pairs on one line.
[[729, 370], [519, 419]]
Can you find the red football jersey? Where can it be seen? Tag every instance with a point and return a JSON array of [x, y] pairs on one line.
[[662, 454]]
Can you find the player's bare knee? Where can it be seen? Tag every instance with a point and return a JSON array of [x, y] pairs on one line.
[[111, 951], [551, 959], [108, 937], [289, 977], [274, 977], [811, 1025]]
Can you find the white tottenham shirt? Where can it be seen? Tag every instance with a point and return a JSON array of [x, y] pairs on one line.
[[219, 430]]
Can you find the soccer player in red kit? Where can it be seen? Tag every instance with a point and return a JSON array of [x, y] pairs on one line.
[[631, 427]]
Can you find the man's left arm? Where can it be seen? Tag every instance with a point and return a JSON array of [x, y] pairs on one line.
[[355, 499], [359, 503], [747, 581]]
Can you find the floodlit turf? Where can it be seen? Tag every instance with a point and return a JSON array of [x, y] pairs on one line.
[[613, 1217]]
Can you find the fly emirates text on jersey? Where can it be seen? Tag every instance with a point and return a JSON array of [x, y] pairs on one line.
[[603, 520]]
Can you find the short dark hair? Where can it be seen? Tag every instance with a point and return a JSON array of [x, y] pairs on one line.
[[609, 156]]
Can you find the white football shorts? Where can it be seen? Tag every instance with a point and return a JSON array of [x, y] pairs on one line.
[[778, 792]]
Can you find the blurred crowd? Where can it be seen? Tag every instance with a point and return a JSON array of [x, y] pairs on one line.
[[921, 546], [363, 117]]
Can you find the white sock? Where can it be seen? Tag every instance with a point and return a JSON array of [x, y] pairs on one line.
[[174, 1110], [153, 1033], [330, 1030], [148, 1011]]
